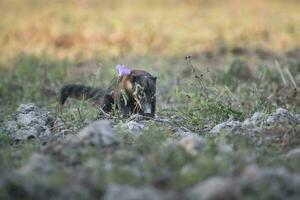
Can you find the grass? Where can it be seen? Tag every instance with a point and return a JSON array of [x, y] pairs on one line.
[[16, 155], [243, 59], [90, 28]]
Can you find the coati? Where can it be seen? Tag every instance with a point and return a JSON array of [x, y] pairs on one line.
[[132, 92]]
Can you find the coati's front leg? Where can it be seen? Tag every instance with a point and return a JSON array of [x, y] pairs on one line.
[[107, 104], [125, 108], [153, 107]]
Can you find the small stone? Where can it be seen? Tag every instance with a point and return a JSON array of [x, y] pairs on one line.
[[255, 120], [25, 108], [125, 192], [294, 153], [37, 164], [99, 133], [133, 126], [228, 126], [251, 172], [278, 182], [214, 188], [223, 147], [182, 132], [297, 118], [192, 144]]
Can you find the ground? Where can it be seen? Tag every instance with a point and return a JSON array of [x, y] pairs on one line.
[[228, 102]]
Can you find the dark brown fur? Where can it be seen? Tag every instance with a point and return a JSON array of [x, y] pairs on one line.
[[131, 94]]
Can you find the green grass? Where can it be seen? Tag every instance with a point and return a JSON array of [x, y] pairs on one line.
[[14, 155]]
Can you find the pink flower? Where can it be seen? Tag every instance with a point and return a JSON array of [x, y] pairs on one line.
[[122, 70]]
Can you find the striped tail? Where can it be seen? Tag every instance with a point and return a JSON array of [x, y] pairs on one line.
[[80, 92]]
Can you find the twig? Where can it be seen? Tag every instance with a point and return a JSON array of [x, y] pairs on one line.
[[291, 77], [78, 110], [106, 114], [280, 72], [184, 129]]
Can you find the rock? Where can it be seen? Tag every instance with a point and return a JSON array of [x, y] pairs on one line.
[[125, 192], [251, 172], [280, 173], [256, 120], [297, 118], [294, 153], [192, 144], [270, 183], [99, 133], [133, 126], [223, 147], [183, 132], [228, 126], [259, 125], [281, 116], [213, 189], [261, 183], [37, 164], [31, 122]]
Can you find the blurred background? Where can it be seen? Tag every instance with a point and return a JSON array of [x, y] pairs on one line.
[[89, 28]]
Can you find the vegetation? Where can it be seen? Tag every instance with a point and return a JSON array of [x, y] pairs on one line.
[[214, 61]]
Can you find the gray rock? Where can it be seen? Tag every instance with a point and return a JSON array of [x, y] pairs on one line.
[[133, 126], [99, 133], [31, 122], [228, 126], [297, 118], [256, 120], [281, 116], [258, 123], [192, 143], [125, 192], [280, 172], [294, 153], [264, 183], [278, 182], [37, 164], [223, 147], [213, 189], [183, 132]]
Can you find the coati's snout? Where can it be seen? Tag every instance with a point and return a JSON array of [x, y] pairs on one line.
[[147, 108], [145, 89]]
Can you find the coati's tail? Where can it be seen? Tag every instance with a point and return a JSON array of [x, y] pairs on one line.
[[80, 92]]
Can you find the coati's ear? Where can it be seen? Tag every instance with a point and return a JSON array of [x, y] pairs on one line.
[[154, 78]]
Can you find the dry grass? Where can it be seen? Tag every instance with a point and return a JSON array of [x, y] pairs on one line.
[[86, 28]]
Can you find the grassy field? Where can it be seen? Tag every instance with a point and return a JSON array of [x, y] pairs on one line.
[[244, 58], [87, 28]]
